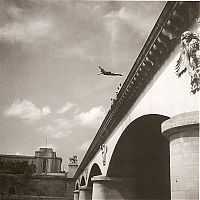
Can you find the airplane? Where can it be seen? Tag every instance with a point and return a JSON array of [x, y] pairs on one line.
[[107, 73]]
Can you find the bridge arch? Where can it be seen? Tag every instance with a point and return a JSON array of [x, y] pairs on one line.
[[77, 186], [83, 182], [95, 171], [142, 153]]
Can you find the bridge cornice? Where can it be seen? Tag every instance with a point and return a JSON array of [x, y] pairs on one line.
[[175, 18]]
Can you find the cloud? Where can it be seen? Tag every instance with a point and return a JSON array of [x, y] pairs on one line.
[[27, 32], [112, 25], [85, 145], [92, 118], [26, 110], [65, 108], [60, 128], [23, 24], [117, 19], [46, 110]]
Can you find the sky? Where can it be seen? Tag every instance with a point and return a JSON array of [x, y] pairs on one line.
[[50, 51]]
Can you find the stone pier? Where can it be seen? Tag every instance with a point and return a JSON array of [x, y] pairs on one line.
[[183, 133], [76, 195], [85, 193], [106, 188]]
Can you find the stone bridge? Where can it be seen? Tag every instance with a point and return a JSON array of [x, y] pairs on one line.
[[147, 145]]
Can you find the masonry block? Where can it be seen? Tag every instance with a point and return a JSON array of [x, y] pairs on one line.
[[183, 133]]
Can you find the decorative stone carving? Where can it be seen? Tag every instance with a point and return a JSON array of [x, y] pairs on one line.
[[73, 160], [189, 59], [104, 150]]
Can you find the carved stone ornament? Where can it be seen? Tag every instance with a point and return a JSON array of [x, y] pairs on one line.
[[189, 59], [73, 160], [104, 150]]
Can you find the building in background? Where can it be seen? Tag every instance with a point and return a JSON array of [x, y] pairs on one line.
[[26, 177], [45, 161]]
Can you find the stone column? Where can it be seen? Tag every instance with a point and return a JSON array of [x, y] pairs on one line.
[[85, 193], [72, 170], [183, 133], [76, 195], [106, 188]]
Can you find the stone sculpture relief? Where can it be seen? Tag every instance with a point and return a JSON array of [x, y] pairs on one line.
[[104, 150], [189, 59], [73, 160]]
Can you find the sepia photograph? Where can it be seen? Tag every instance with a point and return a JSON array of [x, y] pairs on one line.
[[99, 100]]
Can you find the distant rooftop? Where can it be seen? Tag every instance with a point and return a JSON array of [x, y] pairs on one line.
[[46, 149], [43, 152]]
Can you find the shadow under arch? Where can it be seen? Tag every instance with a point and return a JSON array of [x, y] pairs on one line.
[[77, 186], [83, 182], [142, 153], [95, 171]]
